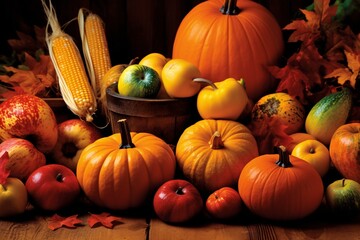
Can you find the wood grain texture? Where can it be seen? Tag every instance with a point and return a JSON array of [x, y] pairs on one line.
[[34, 224], [142, 224]]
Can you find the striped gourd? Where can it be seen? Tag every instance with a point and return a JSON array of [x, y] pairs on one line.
[[74, 84], [95, 48]]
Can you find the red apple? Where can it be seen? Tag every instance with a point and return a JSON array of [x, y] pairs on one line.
[[52, 187], [224, 203], [177, 201], [345, 150], [74, 136], [29, 117], [24, 158]]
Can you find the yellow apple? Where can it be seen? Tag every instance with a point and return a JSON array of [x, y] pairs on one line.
[[315, 153], [13, 197], [156, 61], [298, 138], [178, 75]]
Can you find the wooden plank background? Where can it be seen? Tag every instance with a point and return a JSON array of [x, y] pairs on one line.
[[134, 28]]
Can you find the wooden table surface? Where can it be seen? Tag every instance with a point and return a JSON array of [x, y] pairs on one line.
[[142, 224]]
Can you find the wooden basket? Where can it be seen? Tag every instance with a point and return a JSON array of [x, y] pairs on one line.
[[165, 118]]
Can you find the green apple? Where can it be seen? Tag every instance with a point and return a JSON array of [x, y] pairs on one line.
[[343, 197], [13, 198], [139, 81]]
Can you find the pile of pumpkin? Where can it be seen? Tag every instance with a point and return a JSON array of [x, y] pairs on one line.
[[124, 170], [219, 151], [214, 153]]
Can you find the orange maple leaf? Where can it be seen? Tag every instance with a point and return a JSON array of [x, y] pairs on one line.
[[320, 18], [104, 219], [349, 73], [40, 76], [57, 221]]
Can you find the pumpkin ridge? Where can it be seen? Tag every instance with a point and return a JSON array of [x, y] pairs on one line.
[[112, 186], [150, 165], [209, 168], [198, 166]]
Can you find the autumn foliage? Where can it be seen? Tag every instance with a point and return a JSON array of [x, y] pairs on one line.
[[29, 69], [328, 55]]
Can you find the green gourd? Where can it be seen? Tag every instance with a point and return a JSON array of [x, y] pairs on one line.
[[328, 114]]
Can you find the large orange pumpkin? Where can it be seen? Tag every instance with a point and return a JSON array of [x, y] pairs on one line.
[[238, 39], [121, 171], [280, 186], [211, 153]]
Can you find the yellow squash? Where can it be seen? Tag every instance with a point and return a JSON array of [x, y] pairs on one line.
[[221, 100]]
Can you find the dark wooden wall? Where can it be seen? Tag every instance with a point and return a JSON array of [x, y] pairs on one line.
[[134, 27]]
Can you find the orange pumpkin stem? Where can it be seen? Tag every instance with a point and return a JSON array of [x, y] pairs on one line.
[[230, 8], [126, 141], [216, 141], [284, 159]]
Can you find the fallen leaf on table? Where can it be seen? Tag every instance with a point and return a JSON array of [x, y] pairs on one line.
[[104, 219], [57, 221]]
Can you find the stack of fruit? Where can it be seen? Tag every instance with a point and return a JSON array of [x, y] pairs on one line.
[[156, 76], [38, 155], [225, 160]]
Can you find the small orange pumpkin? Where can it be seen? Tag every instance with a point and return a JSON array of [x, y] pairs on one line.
[[280, 186], [211, 153], [120, 171]]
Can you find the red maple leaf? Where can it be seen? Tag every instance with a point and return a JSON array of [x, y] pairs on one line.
[[104, 219], [302, 75], [292, 80], [4, 172], [270, 133], [57, 221]]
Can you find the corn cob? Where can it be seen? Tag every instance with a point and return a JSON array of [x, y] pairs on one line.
[[74, 84], [95, 48]]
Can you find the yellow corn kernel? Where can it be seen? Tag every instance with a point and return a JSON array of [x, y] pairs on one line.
[[95, 48], [73, 81], [72, 70]]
